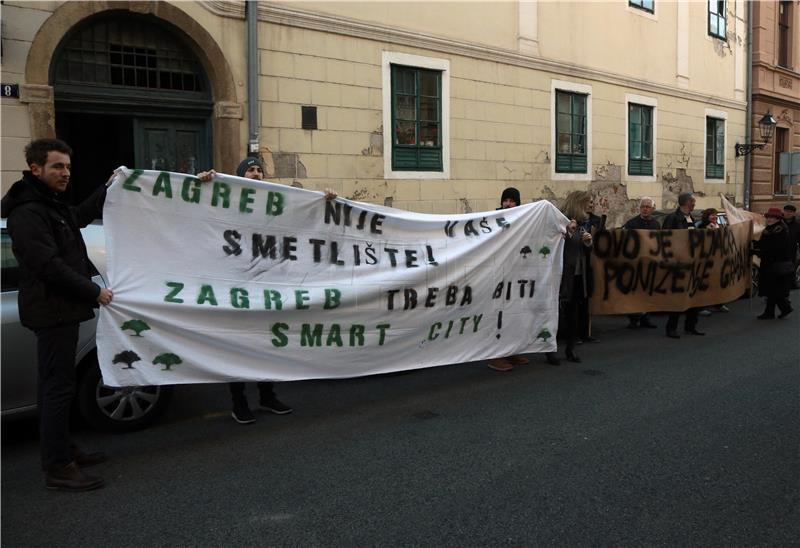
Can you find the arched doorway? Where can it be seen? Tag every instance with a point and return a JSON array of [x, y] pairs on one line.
[[128, 91]]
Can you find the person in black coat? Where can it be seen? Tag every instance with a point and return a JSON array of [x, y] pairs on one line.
[[56, 293], [575, 283], [776, 271], [643, 221], [681, 219]]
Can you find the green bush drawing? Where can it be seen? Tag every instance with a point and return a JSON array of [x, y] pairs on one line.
[[545, 251], [137, 326], [167, 360], [127, 357]]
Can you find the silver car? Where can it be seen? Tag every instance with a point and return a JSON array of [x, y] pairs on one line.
[[115, 409]]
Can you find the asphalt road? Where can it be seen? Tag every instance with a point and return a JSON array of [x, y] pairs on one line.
[[650, 441]]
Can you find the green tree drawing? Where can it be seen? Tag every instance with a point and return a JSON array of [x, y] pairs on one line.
[[137, 326], [167, 360], [127, 357], [545, 251], [544, 334]]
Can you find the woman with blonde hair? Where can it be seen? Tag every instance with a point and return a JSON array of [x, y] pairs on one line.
[[575, 282]]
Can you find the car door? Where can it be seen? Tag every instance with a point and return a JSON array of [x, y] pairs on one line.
[[18, 347]]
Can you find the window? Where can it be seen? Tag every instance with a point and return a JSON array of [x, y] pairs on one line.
[[781, 142], [570, 132], [715, 148], [10, 267], [646, 5], [640, 139], [783, 32], [716, 18], [416, 111], [416, 119], [129, 53]]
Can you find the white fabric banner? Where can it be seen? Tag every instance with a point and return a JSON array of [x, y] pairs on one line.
[[245, 280]]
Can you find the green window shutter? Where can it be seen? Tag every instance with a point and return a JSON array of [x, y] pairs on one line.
[[416, 119], [571, 136], [640, 139], [715, 148]]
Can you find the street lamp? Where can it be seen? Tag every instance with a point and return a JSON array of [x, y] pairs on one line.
[[766, 125]]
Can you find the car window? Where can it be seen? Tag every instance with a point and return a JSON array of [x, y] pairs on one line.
[[10, 268]]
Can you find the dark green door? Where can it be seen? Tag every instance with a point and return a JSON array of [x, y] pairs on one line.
[[171, 145]]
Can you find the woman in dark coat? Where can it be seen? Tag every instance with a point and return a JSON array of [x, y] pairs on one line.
[[575, 282], [775, 273]]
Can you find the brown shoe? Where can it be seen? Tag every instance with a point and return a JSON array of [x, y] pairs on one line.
[[518, 360], [500, 364], [70, 478]]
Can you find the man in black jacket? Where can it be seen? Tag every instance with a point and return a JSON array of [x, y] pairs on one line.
[[643, 221], [56, 293], [681, 219]]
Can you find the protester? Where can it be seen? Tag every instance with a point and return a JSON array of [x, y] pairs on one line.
[[591, 224], [789, 217], [574, 289], [56, 293], [643, 221], [508, 199], [708, 219], [250, 168], [776, 270], [681, 219]]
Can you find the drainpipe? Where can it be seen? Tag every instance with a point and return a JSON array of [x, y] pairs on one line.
[[748, 126], [251, 16]]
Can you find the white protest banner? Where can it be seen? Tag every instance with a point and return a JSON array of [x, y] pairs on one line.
[[244, 280]]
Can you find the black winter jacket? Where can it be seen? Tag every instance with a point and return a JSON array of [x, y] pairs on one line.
[[55, 285], [774, 247], [676, 221], [638, 223]]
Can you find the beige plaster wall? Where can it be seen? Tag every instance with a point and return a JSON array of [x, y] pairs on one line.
[[487, 22], [21, 21], [500, 130]]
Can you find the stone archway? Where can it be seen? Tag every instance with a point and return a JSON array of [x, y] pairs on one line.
[[38, 91]]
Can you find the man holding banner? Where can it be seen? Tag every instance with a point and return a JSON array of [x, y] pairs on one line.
[[250, 168], [56, 293], [643, 221], [681, 219]]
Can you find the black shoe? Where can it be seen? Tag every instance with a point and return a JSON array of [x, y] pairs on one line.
[[241, 413], [88, 459], [572, 357], [693, 332], [672, 334], [590, 340], [766, 316], [552, 358], [648, 324], [70, 478], [785, 313], [274, 405]]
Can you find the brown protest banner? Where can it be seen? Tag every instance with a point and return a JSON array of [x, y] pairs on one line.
[[669, 270]]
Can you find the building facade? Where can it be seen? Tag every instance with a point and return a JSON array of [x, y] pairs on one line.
[[432, 107], [776, 89]]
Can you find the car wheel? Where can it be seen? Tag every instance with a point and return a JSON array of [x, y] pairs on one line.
[[119, 409]]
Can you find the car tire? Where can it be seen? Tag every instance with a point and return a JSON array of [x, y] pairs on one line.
[[118, 409]]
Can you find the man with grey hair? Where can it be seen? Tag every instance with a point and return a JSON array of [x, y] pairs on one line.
[[643, 221], [681, 219]]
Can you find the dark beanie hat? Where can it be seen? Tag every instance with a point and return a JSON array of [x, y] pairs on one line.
[[245, 165], [512, 194], [789, 207]]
